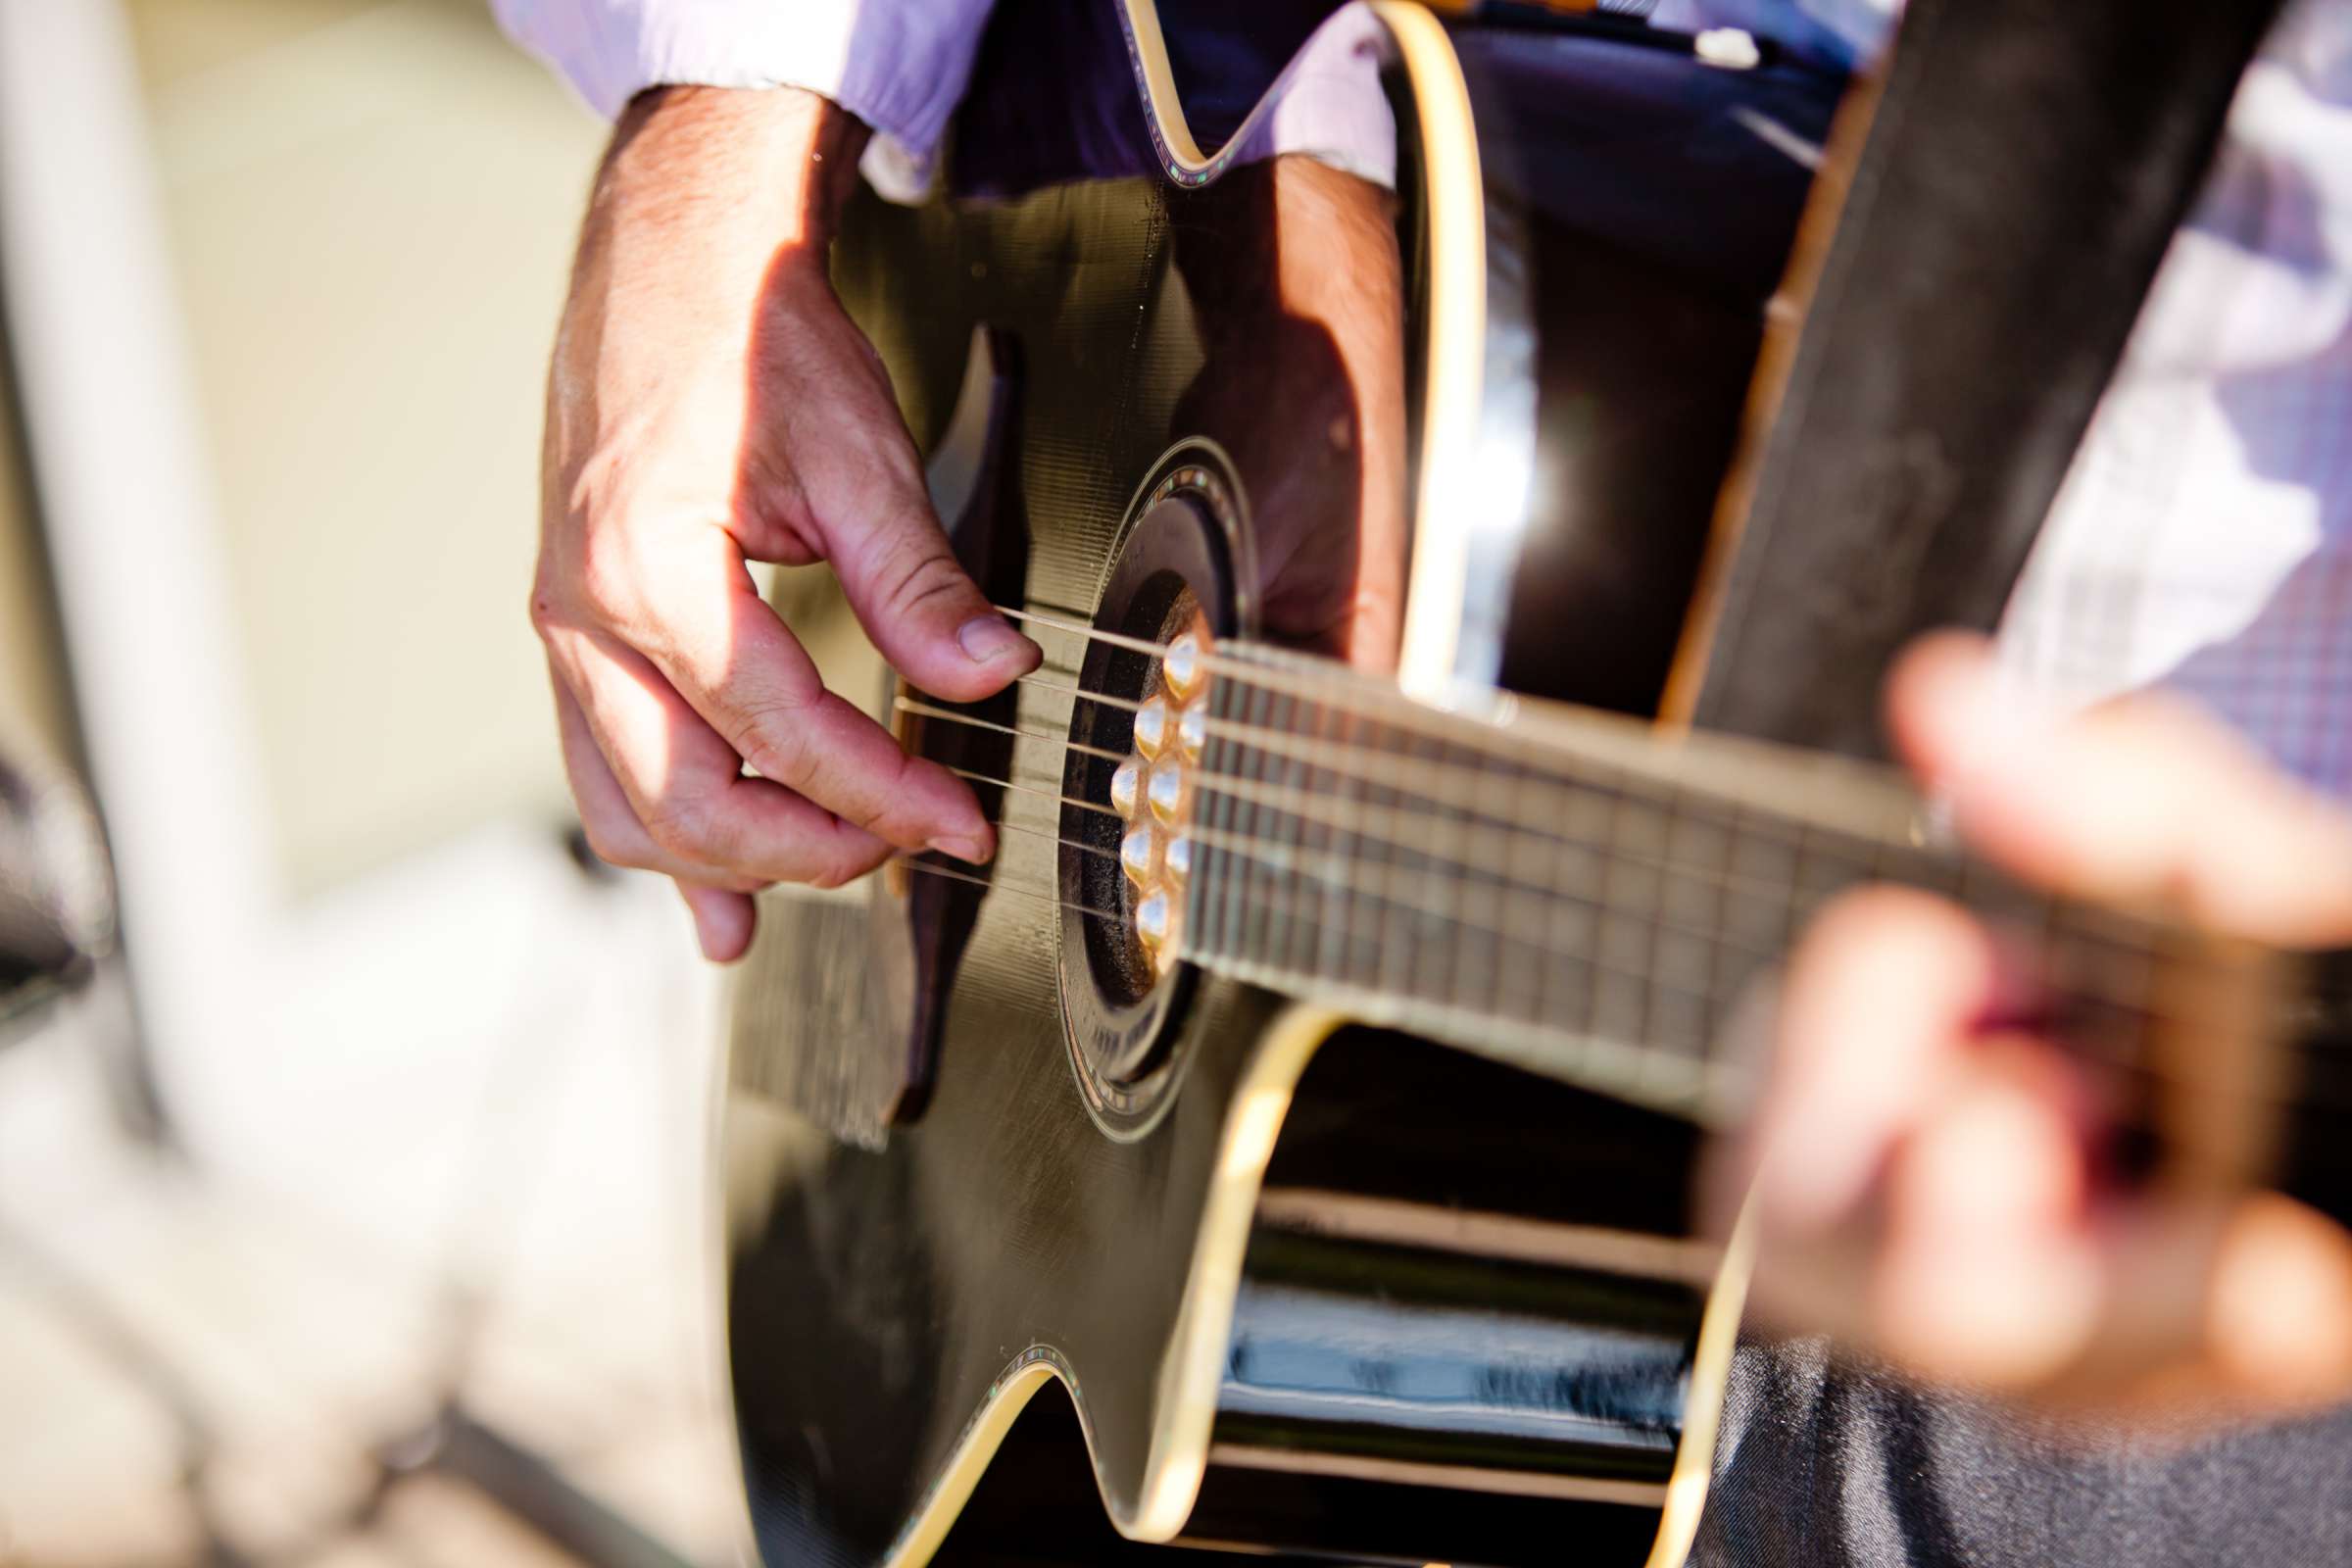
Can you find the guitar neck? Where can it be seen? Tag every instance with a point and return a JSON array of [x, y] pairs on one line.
[[1570, 890]]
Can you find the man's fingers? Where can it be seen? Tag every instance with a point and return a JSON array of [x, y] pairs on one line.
[[914, 600], [1879, 996], [722, 920], [743, 671], [2280, 1313], [611, 822], [2158, 800], [1989, 1274], [683, 784], [723, 915]]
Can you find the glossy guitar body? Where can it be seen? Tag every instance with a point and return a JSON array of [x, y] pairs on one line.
[[1282, 1282]]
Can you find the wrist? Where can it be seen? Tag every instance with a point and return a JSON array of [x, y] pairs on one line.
[[773, 164]]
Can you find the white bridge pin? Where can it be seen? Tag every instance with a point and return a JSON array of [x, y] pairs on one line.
[[1180, 666], [1155, 920], [1152, 727], [1164, 789], [1139, 850]]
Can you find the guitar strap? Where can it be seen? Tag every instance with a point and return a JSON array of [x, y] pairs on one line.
[[2026, 168]]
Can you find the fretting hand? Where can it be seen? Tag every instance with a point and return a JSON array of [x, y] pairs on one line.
[[1927, 1188]]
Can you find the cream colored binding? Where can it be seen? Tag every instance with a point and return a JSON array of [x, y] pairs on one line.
[[1454, 394]]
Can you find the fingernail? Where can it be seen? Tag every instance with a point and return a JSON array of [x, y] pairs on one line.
[[988, 638], [975, 850]]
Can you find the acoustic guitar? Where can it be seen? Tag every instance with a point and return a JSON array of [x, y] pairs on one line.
[[1284, 1146]]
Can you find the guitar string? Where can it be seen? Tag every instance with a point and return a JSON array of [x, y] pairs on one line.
[[907, 705], [915, 863], [1272, 850], [1033, 789], [1276, 856], [1266, 793], [1378, 704], [1408, 718], [1055, 838], [1079, 692], [1452, 874], [1413, 719], [1713, 996], [1716, 998], [2138, 939], [1246, 672], [1271, 854]]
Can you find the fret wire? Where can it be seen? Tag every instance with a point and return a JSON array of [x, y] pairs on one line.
[[1201, 893], [1237, 899], [1798, 896], [1430, 965], [1260, 736], [1296, 896], [1501, 736], [1513, 839], [1282, 924], [1398, 944], [1255, 905], [1547, 973], [1205, 899], [1277, 772], [1723, 906], [1504, 986], [1598, 957], [1656, 1025], [1795, 898], [1405, 836], [1308, 941], [1492, 982], [1598, 963], [1717, 990], [1873, 848], [1733, 1082], [1329, 954]]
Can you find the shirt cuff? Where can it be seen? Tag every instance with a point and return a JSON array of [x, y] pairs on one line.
[[901, 68]]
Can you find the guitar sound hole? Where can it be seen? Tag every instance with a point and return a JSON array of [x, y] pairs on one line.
[[1125, 969], [1122, 1005]]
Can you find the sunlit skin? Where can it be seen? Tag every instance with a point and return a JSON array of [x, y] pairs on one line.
[[710, 404], [1926, 1188]]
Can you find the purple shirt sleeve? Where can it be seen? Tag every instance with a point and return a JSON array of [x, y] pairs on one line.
[[899, 64]]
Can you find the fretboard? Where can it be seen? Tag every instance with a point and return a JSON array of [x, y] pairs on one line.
[[1561, 889]]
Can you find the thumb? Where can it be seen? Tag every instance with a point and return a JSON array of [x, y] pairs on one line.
[[2142, 798], [922, 609]]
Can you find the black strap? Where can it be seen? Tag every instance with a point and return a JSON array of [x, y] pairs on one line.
[[2026, 169]]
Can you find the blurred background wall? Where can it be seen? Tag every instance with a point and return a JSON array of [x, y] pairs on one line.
[[370, 208], [424, 1150]]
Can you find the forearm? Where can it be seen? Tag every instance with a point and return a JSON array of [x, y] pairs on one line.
[[722, 177]]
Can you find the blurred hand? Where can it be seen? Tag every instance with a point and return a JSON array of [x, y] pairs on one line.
[[710, 404], [1929, 1189]]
